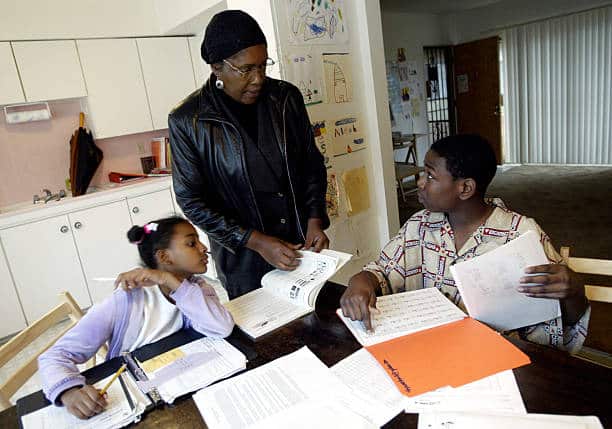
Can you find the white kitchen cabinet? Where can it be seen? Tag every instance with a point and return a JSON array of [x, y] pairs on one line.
[[10, 86], [13, 319], [168, 74], [117, 97], [44, 261], [100, 236], [201, 70], [156, 205], [49, 70]]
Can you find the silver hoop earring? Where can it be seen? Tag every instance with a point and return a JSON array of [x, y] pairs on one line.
[[219, 84]]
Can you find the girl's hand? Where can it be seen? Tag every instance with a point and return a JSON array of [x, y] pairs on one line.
[[83, 402], [143, 277]]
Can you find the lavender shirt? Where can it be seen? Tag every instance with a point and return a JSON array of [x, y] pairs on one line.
[[111, 321]]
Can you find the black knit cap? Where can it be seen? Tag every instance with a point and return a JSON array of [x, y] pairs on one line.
[[228, 33]]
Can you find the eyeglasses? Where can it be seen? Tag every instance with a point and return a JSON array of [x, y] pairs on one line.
[[249, 70]]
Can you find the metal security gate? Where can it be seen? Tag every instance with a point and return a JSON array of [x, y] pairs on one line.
[[440, 92]]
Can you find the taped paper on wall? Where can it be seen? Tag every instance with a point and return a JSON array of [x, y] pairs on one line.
[[355, 184], [305, 72], [338, 78], [316, 23], [346, 136], [321, 136], [332, 196]]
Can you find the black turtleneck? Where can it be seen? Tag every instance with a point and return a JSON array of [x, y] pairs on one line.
[[246, 114]]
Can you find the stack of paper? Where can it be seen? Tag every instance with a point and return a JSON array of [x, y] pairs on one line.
[[125, 405], [424, 342], [296, 390], [191, 367]]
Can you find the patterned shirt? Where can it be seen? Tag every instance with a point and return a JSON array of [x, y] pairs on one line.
[[421, 254]]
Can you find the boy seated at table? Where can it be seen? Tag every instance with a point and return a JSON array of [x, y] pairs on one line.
[[458, 223]]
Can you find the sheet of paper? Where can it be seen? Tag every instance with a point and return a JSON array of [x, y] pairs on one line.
[[314, 23], [347, 136], [364, 376], [497, 393], [304, 71], [117, 414], [355, 184], [487, 421], [453, 354], [268, 390], [204, 361], [261, 311], [338, 77], [404, 313], [488, 285], [316, 414], [297, 285]]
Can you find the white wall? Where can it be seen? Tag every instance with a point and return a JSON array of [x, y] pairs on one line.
[[69, 19], [413, 31], [485, 21], [362, 234], [181, 17]]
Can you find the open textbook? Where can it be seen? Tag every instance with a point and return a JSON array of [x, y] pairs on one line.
[[488, 285], [285, 295]]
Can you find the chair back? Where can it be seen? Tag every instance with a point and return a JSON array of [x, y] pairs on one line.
[[68, 308], [598, 344]]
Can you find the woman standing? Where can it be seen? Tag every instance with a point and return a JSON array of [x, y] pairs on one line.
[[245, 166]]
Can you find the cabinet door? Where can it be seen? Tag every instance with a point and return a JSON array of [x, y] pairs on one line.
[[201, 70], [116, 93], [49, 70], [100, 235], [168, 74], [13, 319], [156, 205], [10, 86], [44, 261]]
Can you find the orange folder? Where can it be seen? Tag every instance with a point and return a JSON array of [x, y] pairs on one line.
[[453, 354]]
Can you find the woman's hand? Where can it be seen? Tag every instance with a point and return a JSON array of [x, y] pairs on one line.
[[315, 237], [275, 251], [359, 298], [83, 402], [143, 277]]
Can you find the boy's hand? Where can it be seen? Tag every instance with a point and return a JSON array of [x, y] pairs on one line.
[[360, 297], [143, 277], [83, 402], [554, 281]]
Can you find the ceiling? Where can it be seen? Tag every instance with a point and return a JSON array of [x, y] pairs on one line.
[[432, 6]]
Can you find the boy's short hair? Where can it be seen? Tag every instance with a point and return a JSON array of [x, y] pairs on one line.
[[468, 156]]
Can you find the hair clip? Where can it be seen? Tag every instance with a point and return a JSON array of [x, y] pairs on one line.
[[150, 227]]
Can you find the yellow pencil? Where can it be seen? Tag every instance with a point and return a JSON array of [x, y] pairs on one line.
[[117, 374]]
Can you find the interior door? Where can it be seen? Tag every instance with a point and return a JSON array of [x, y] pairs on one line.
[[477, 91]]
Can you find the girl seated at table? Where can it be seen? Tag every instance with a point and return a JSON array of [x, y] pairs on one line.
[[152, 303]]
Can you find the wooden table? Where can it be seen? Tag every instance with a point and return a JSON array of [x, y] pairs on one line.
[[553, 383]]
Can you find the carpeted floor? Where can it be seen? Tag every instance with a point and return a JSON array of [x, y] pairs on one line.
[[572, 204]]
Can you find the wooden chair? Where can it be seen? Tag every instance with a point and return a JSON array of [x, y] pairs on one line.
[[598, 344], [68, 308], [407, 166]]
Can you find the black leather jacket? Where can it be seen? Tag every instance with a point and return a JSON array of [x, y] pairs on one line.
[[211, 182]]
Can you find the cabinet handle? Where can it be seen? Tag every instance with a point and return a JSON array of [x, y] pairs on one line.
[[78, 225], [64, 229], [135, 209]]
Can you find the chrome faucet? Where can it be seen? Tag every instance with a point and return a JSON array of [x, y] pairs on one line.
[[49, 196]]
